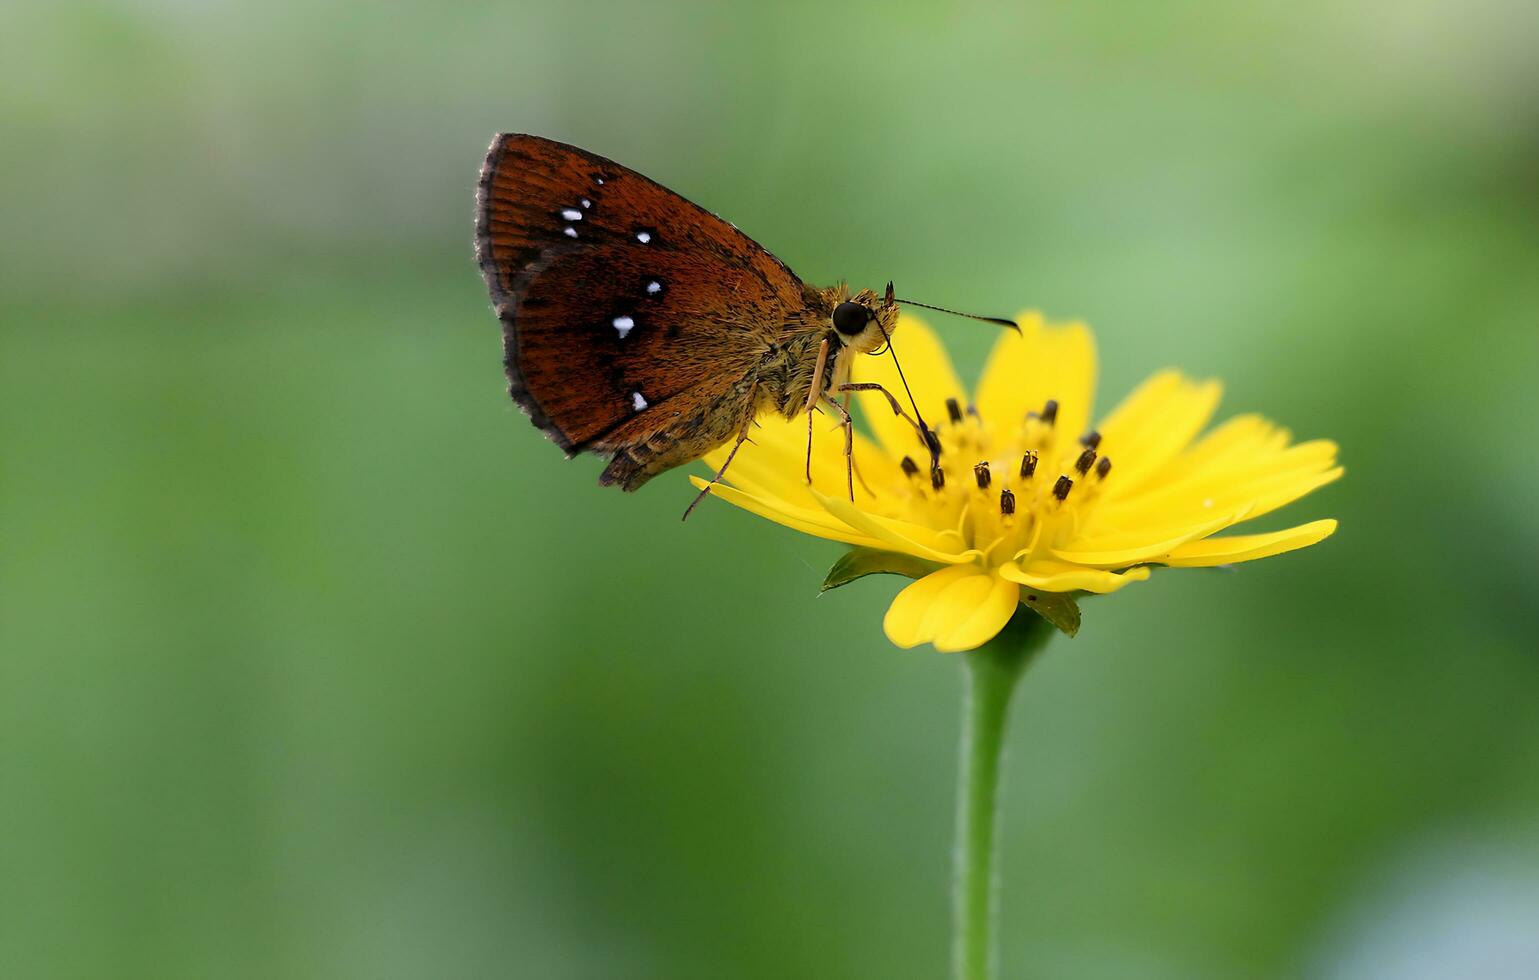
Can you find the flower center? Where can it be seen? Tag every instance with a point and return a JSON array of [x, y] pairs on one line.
[[1012, 492]]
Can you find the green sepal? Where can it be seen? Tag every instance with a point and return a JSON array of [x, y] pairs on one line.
[[860, 562], [1058, 608]]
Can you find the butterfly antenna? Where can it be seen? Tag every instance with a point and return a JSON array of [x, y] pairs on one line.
[[997, 320], [930, 442]]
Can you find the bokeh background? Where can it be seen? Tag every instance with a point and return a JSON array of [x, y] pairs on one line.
[[316, 660]]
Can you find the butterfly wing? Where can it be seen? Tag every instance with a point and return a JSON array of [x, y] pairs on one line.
[[632, 318]]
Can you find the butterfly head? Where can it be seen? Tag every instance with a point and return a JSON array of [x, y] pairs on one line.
[[864, 322]]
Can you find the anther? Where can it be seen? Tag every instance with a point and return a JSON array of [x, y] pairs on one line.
[[981, 474], [954, 410], [1028, 464], [973, 411], [910, 467], [1085, 461], [1091, 439], [1006, 502], [1103, 467], [937, 478], [1050, 411], [1062, 487]]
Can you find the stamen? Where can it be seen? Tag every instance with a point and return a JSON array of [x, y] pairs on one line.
[[1062, 487], [910, 468], [954, 410], [973, 411], [937, 478], [1028, 464], [981, 474], [1091, 439], [1103, 467], [1006, 502], [1085, 461], [1050, 411]]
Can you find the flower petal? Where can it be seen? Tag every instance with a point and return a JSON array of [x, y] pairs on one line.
[[956, 608], [976, 618], [906, 616], [1134, 547], [811, 522], [930, 375], [898, 535], [1248, 547], [1153, 424], [1041, 362], [1056, 576]]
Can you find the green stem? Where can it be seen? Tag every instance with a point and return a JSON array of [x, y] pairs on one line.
[[992, 671]]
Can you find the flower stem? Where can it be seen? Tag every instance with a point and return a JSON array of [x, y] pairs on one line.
[[992, 671]]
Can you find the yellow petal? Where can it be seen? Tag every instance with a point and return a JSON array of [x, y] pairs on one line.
[[811, 522], [1042, 362], [1248, 547], [899, 535], [906, 616], [977, 618], [1152, 425], [930, 376], [956, 608], [1056, 576], [1134, 547]]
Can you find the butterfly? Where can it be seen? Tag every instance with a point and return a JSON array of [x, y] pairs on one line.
[[639, 326]]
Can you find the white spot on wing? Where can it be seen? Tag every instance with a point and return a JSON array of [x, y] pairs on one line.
[[623, 325], [654, 287], [637, 402], [569, 231], [586, 203], [599, 179], [572, 214], [643, 237]]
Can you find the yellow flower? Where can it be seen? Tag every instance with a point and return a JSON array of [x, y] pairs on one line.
[[1028, 498]]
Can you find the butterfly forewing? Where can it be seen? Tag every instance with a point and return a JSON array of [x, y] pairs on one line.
[[632, 318]]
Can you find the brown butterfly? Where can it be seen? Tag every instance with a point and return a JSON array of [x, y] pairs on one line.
[[640, 326]]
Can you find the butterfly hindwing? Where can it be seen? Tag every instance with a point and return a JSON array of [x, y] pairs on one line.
[[631, 317]]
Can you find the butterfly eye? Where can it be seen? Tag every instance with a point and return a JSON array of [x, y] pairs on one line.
[[851, 318]]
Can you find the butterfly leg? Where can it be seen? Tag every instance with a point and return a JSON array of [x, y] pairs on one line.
[[848, 425], [845, 404], [742, 437], [813, 394], [928, 440]]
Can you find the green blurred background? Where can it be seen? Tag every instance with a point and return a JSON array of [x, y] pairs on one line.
[[316, 660]]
